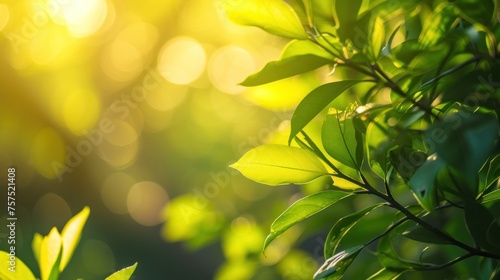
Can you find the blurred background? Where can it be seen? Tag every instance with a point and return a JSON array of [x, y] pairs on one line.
[[133, 108]]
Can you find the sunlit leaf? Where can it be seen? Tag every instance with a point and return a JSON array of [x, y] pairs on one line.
[[386, 274], [273, 16], [493, 171], [377, 37], [341, 227], [123, 274], [21, 271], [428, 60], [71, 235], [278, 165], [341, 140], [438, 26], [315, 102], [287, 67], [302, 209], [36, 246], [492, 196], [50, 255], [347, 14], [334, 267], [423, 182], [482, 226]]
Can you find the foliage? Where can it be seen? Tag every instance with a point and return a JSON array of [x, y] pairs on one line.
[[420, 134], [54, 251]]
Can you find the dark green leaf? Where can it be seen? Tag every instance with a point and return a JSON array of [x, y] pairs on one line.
[[390, 259], [287, 67], [493, 172], [302, 209], [482, 226], [423, 182], [428, 60], [315, 102], [341, 227], [334, 267], [406, 161], [278, 164], [347, 14], [386, 274], [479, 11], [465, 141], [421, 234], [339, 138]]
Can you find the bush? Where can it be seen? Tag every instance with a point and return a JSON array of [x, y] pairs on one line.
[[410, 117]]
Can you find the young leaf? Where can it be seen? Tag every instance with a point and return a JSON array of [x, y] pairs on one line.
[[315, 102], [278, 165], [482, 226], [273, 16], [302, 209], [123, 274], [423, 182], [377, 38], [341, 227], [334, 267], [21, 271], [339, 138], [284, 68], [36, 246], [492, 196], [50, 255], [71, 235]]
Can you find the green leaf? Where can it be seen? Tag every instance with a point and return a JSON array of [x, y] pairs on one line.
[[479, 11], [315, 102], [123, 274], [421, 234], [334, 267], [428, 60], [302, 209], [482, 226], [20, 270], [493, 172], [341, 140], [492, 196], [278, 165], [440, 23], [287, 67], [390, 259], [71, 235], [36, 246], [273, 16], [50, 255], [377, 38], [465, 141], [341, 227], [423, 182], [386, 274], [347, 14], [406, 161]]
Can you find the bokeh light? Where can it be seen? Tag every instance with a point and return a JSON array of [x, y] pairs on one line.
[[4, 15], [114, 192], [98, 257], [48, 152], [145, 201], [229, 66], [182, 60], [82, 17], [50, 210]]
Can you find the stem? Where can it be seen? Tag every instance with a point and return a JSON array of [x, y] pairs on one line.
[[392, 85], [450, 71]]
